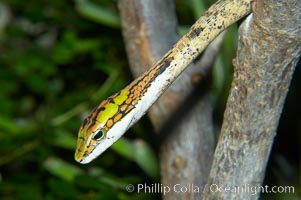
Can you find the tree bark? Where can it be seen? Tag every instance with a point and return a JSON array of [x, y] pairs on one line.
[[269, 48], [149, 29]]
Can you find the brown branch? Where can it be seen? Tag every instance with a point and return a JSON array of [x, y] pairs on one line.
[[269, 48], [149, 29], [187, 152]]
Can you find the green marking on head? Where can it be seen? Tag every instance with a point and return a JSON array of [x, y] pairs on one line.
[[88, 136], [121, 97], [110, 110]]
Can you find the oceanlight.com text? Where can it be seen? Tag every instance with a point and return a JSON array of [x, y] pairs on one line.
[[192, 188]]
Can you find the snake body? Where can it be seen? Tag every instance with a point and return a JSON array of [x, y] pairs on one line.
[[115, 115]]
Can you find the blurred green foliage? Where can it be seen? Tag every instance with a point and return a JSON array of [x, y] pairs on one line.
[[58, 59]]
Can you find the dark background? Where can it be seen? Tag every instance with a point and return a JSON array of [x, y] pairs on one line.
[[58, 59]]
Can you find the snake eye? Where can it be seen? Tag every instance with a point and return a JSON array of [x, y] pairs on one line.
[[99, 135]]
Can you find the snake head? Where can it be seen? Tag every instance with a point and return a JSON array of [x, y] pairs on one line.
[[89, 137], [104, 126]]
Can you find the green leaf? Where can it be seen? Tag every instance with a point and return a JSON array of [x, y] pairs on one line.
[[8, 125], [97, 13], [198, 8], [65, 50], [62, 169], [146, 159], [87, 45], [125, 148], [141, 153], [64, 139], [218, 76]]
